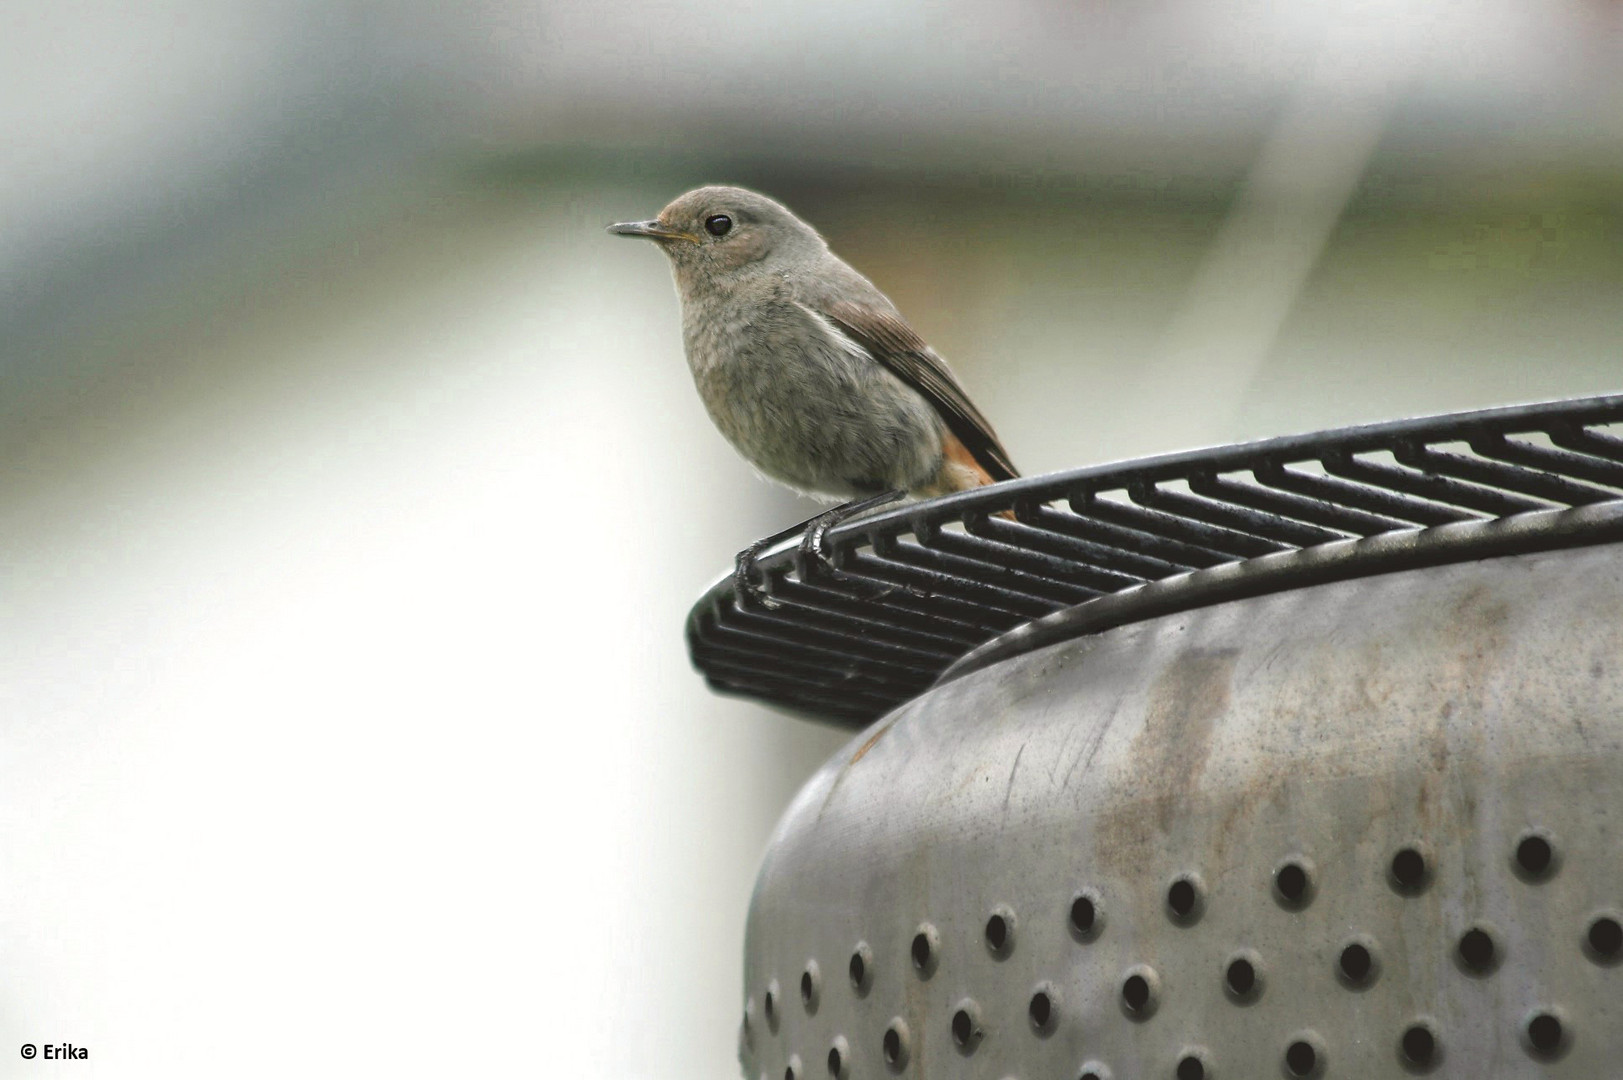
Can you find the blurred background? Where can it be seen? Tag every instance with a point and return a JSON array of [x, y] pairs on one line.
[[353, 489]]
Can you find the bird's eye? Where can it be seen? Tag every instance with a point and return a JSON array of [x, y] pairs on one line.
[[718, 224]]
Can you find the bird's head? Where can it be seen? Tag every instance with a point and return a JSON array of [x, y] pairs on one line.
[[717, 233]]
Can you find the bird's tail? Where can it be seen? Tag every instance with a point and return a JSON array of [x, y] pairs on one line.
[[960, 471]]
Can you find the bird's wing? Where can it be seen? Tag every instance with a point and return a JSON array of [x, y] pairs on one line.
[[886, 337]]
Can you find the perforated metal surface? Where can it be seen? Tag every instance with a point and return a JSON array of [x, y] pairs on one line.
[[1368, 828], [922, 585]]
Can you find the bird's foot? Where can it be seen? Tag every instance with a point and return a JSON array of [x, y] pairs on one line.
[[814, 554], [745, 591], [749, 594]]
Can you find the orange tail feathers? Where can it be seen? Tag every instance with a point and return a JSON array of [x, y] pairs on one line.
[[961, 472]]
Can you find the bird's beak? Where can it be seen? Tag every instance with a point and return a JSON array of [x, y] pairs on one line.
[[651, 230]]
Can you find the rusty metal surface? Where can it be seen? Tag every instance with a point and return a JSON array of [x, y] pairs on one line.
[[1264, 786]]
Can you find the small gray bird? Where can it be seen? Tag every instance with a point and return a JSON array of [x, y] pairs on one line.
[[807, 368]]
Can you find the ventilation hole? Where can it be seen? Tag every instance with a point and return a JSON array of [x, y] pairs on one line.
[[1544, 1034], [1419, 1046], [860, 968], [894, 1046], [924, 949], [1191, 1068], [1087, 919], [1135, 992], [1092, 1070], [1356, 963], [1089, 1075], [1140, 992], [1000, 932], [1409, 870], [1476, 951], [769, 1005], [1041, 1010], [1186, 900], [1535, 856], [839, 1058], [1241, 977], [1292, 884], [793, 1071], [1301, 1058], [789, 1073], [811, 983], [1605, 938], [966, 1026]]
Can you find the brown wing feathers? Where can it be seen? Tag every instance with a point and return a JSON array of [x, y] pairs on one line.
[[889, 339]]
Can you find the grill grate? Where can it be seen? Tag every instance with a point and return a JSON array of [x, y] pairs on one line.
[[921, 585]]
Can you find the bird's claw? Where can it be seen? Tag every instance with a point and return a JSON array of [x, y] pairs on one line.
[[814, 553], [745, 591]]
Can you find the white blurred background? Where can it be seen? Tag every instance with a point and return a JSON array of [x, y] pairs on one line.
[[353, 490]]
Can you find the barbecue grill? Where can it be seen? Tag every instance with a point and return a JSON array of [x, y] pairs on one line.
[[1298, 758]]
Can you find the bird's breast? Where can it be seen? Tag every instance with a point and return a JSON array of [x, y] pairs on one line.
[[803, 406]]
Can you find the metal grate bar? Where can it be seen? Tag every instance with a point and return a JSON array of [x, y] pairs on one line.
[[1547, 461], [1429, 486], [877, 570], [1345, 520], [918, 624], [1553, 489], [1384, 504], [1040, 574], [1595, 443], [965, 576], [1128, 551], [773, 627], [1226, 544], [916, 588], [1235, 518], [745, 662], [1064, 575], [832, 627], [724, 637], [861, 581], [1105, 566]]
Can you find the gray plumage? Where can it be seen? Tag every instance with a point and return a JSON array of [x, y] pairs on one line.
[[808, 369]]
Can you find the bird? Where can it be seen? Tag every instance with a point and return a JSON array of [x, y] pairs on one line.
[[808, 370]]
